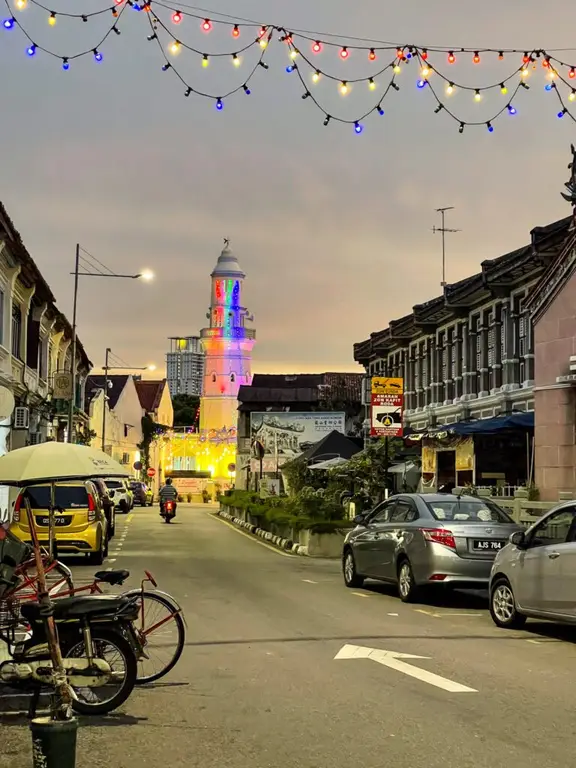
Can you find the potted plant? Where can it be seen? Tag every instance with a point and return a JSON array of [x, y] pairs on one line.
[[189, 498], [206, 496]]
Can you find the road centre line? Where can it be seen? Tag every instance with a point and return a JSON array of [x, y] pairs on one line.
[[360, 594], [248, 536], [309, 581]]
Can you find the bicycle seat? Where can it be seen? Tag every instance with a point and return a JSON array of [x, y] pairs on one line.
[[112, 577], [77, 607]]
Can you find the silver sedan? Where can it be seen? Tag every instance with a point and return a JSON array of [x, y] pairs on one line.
[[416, 540]]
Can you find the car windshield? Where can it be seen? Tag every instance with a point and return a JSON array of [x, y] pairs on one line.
[[66, 496], [468, 511], [136, 486], [113, 483]]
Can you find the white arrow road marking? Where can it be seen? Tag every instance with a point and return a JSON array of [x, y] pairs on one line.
[[393, 660]]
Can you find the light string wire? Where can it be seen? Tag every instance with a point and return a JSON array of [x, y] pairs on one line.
[[404, 54], [94, 49]]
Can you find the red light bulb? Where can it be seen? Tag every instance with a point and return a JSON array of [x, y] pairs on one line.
[[236, 31], [546, 63], [424, 54], [317, 47], [176, 17], [572, 73], [206, 25], [526, 58], [451, 58], [344, 53], [476, 58], [262, 32], [372, 54]]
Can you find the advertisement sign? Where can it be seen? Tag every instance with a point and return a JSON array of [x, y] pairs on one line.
[[269, 487], [62, 385], [387, 405], [287, 434]]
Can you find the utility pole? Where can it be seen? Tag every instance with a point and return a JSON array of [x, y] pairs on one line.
[[442, 229], [106, 369], [72, 403]]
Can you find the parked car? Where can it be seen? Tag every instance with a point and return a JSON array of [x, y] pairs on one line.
[[107, 505], [535, 574], [417, 540], [79, 519], [120, 494], [142, 494]]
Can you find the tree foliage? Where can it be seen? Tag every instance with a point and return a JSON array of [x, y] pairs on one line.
[[367, 473], [185, 409], [150, 430]]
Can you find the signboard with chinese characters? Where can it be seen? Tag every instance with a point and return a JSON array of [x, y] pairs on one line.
[[62, 385], [287, 434], [386, 407]]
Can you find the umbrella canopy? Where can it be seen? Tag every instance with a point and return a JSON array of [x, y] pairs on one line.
[[53, 462], [330, 463]]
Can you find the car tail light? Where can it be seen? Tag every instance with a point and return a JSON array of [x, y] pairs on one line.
[[440, 536], [91, 509], [437, 577], [17, 507]]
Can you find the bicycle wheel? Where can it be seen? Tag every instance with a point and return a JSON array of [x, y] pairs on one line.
[[162, 632], [58, 580]]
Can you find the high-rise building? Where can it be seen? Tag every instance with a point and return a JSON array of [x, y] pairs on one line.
[[185, 365]]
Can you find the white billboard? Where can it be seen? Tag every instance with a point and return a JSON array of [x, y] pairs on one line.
[[286, 434]]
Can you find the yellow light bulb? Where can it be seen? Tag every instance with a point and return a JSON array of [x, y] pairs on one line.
[[293, 54], [449, 89], [343, 88], [263, 43], [236, 60], [524, 72], [174, 47], [425, 71], [315, 77], [572, 96], [477, 96], [552, 74], [21, 4], [205, 61], [52, 19], [371, 84], [503, 89], [397, 69]]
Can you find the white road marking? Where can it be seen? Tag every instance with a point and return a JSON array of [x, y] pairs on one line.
[[440, 615], [394, 660], [393, 614], [248, 536], [360, 594], [111, 559], [309, 581]]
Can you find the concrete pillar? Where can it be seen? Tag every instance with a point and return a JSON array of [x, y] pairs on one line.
[[510, 361], [458, 363], [496, 378], [555, 454]]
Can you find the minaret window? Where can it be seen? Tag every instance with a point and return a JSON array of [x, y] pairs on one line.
[[232, 378], [214, 378]]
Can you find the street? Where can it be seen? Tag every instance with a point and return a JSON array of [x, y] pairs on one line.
[[259, 685]]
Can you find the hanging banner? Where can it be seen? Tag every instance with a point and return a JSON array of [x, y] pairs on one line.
[[62, 385], [428, 460], [387, 406], [465, 455]]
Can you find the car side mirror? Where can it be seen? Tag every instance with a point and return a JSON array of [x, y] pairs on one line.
[[360, 520], [518, 539]]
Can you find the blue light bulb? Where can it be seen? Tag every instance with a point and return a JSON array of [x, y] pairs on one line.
[[8, 23], [290, 68], [358, 127], [548, 87], [511, 110], [380, 111], [31, 50], [490, 128], [219, 104], [421, 83], [98, 56], [561, 114], [65, 65]]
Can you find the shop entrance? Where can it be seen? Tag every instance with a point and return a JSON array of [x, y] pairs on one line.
[[446, 472]]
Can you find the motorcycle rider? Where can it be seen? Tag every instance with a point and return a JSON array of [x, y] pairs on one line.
[[167, 493]]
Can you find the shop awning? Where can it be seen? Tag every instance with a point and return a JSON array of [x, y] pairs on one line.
[[523, 420]]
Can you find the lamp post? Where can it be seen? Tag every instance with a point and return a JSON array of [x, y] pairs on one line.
[[145, 275], [108, 367]]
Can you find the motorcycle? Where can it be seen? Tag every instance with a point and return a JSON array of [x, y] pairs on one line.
[[168, 510], [98, 644]]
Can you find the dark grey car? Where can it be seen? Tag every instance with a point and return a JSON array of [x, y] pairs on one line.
[[427, 539]]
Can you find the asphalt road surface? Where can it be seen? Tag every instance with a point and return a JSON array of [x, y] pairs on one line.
[[259, 686]]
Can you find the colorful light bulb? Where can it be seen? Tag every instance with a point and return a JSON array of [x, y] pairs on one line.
[[219, 104], [65, 64], [397, 69], [97, 55], [317, 46], [263, 42], [205, 60], [450, 89], [421, 83], [344, 88], [572, 96], [176, 17], [236, 60], [21, 4], [476, 57], [316, 76], [511, 109], [235, 31], [31, 50], [372, 84], [372, 55], [293, 54], [424, 54], [425, 72], [358, 127], [490, 127], [451, 57], [262, 32], [174, 47], [206, 25], [562, 113], [524, 72], [477, 95], [572, 73], [503, 89], [344, 53], [52, 19], [8, 23]]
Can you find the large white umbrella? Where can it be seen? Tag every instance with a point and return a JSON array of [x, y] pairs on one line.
[[55, 462]]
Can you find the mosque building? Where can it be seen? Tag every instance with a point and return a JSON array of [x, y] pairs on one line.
[[202, 457]]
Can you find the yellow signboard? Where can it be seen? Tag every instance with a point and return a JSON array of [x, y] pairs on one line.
[[384, 385]]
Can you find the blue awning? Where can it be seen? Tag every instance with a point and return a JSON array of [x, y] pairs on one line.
[[523, 420]]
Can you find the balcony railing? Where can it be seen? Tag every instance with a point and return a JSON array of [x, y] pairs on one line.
[[228, 333]]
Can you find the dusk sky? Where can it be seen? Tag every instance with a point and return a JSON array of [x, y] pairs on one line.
[[332, 229]]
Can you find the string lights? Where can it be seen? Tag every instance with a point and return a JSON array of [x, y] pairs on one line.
[[318, 59]]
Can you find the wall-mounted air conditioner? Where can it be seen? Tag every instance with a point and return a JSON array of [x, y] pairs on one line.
[[21, 418]]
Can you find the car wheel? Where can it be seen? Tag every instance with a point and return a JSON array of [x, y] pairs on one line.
[[407, 588], [123, 507], [351, 577], [97, 558], [503, 606]]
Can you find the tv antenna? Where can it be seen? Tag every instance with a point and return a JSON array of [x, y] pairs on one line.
[[443, 230]]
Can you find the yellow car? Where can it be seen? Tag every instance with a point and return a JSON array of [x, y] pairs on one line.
[[79, 520]]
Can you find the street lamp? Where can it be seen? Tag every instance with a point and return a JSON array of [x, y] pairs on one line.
[[108, 367], [146, 275]]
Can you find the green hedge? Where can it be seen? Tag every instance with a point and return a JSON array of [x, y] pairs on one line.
[[304, 511]]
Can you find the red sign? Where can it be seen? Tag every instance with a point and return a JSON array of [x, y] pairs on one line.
[[151, 472], [386, 415]]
